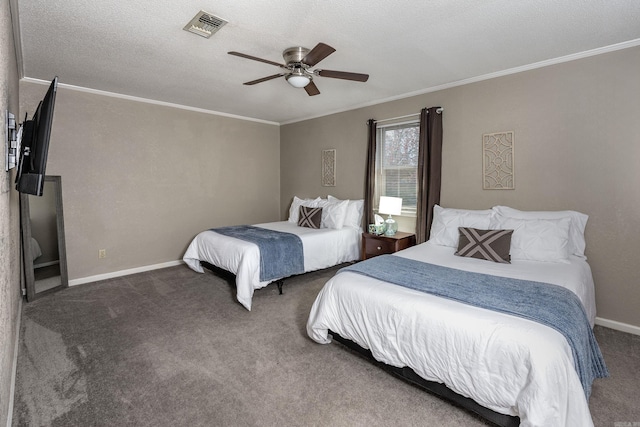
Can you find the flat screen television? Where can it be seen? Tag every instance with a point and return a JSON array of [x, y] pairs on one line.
[[34, 147]]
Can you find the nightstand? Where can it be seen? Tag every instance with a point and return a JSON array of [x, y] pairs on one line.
[[373, 245]]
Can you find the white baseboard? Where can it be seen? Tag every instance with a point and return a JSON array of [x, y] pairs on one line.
[[14, 368], [90, 279], [618, 326]]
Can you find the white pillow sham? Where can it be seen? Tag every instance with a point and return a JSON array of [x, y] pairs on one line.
[[545, 240], [294, 210], [444, 228], [333, 213], [354, 212], [577, 242]]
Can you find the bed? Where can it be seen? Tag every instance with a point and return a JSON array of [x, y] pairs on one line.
[[515, 368], [335, 241]]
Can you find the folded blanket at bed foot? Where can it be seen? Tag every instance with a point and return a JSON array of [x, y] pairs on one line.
[[281, 254]]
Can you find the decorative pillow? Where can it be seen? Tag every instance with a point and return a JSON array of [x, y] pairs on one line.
[[577, 242], [294, 210], [491, 245], [444, 229], [310, 217], [333, 213], [537, 239], [355, 210]]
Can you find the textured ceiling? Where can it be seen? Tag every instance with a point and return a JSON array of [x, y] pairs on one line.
[[138, 48]]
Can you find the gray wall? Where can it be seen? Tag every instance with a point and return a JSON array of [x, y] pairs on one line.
[[577, 146], [9, 217], [141, 180]]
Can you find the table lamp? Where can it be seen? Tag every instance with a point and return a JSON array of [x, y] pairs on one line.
[[390, 206]]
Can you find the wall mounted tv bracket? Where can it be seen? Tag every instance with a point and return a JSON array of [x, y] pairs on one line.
[[12, 144]]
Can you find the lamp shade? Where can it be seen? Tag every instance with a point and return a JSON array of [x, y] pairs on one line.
[[390, 205], [297, 80]]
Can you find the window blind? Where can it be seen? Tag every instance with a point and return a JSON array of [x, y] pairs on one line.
[[397, 163]]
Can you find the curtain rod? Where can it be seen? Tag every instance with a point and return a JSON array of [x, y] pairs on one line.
[[439, 111]]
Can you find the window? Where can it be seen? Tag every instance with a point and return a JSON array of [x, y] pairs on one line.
[[397, 164]]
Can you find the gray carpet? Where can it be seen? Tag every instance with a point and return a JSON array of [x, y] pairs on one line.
[[172, 347]]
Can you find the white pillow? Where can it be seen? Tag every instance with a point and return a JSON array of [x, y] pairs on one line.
[[544, 240], [444, 228], [354, 212], [333, 213], [577, 243], [294, 210]]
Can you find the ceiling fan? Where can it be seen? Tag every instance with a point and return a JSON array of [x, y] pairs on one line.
[[298, 65]]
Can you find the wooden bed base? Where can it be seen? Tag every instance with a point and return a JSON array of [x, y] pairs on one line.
[[438, 389]]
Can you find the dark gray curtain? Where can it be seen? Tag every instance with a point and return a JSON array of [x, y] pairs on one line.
[[429, 170], [370, 174]]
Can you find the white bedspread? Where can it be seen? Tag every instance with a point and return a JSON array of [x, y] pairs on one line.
[[508, 364], [323, 248]]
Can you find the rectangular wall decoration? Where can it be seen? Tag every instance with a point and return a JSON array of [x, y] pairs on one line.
[[497, 165], [329, 168]]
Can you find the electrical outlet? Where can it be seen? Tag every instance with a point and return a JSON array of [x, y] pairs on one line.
[[102, 253]]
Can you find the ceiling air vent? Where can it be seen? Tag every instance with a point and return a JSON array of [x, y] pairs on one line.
[[204, 24]]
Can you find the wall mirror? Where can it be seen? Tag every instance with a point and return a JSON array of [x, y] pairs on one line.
[[43, 244]]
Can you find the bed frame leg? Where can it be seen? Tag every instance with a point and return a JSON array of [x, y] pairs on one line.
[[280, 283]]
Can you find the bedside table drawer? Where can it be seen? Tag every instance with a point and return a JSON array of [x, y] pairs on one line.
[[374, 246]]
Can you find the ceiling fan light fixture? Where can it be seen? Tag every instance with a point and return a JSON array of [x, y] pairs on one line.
[[298, 67], [298, 80]]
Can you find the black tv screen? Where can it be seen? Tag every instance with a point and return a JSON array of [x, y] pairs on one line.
[[35, 145]]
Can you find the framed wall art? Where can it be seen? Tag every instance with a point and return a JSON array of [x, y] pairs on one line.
[[497, 162], [329, 168]]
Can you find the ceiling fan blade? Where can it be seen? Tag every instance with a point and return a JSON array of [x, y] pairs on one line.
[[266, 61], [317, 54], [312, 89], [264, 79], [343, 75]]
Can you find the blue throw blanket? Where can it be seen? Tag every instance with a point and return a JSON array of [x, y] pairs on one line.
[[548, 304], [281, 254]]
